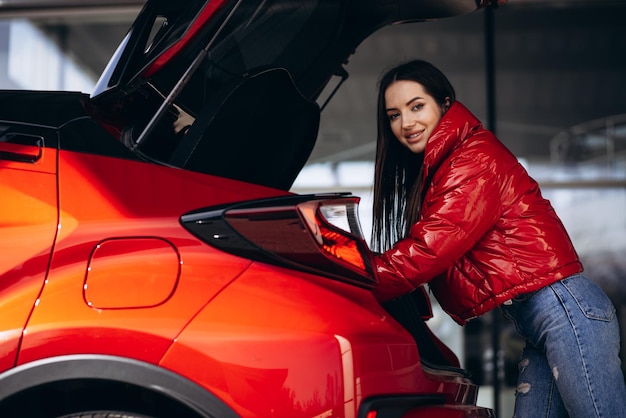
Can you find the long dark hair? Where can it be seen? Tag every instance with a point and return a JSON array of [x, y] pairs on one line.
[[397, 172]]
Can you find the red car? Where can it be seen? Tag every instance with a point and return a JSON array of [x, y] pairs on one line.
[[153, 262]]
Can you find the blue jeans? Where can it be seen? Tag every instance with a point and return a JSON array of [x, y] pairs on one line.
[[570, 366]]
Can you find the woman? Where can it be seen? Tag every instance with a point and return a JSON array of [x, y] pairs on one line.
[[455, 209]]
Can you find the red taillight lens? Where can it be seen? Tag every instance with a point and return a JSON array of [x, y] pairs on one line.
[[341, 247], [336, 228], [314, 233]]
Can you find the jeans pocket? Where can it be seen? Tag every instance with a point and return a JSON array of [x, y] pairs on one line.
[[590, 298]]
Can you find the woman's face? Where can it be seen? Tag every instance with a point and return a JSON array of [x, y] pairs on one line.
[[413, 114]]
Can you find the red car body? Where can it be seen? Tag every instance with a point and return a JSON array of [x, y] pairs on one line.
[[152, 259]]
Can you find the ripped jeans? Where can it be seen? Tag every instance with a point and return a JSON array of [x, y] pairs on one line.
[[570, 367]]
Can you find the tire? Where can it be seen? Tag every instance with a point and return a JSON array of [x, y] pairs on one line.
[[104, 414]]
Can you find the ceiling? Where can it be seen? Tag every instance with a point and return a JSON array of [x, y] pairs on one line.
[[557, 64]]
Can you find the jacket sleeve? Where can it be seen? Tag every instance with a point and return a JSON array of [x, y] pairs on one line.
[[460, 206]]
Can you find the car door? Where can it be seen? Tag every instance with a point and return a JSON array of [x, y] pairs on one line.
[[28, 224]]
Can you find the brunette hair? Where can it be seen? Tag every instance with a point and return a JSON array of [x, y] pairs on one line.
[[397, 171]]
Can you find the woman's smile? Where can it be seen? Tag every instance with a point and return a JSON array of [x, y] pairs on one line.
[[413, 137]]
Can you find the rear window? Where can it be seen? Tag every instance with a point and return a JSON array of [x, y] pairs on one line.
[[250, 41], [240, 38]]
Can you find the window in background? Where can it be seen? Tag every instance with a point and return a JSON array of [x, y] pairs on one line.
[[35, 62], [60, 49]]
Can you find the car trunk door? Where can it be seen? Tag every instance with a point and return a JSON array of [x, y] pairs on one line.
[[180, 58]]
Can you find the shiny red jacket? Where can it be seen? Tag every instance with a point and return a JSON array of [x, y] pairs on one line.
[[485, 233]]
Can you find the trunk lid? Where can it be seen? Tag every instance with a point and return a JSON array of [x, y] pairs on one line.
[[229, 87]]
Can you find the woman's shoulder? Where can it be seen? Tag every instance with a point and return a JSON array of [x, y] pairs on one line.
[[483, 145], [480, 157]]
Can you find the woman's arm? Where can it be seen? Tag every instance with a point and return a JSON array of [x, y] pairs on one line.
[[461, 205]]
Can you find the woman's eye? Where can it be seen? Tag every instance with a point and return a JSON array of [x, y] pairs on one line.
[[393, 116], [418, 106]]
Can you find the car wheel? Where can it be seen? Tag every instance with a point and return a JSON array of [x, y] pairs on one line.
[[104, 414]]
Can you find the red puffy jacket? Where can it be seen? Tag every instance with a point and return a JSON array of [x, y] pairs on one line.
[[485, 233]]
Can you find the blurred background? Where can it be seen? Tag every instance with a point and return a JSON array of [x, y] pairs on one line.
[[549, 77]]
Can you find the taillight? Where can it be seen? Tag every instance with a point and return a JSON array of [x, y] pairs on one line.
[[316, 233]]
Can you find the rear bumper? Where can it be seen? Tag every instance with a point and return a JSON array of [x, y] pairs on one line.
[[419, 406]]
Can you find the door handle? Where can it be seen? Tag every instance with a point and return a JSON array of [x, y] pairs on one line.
[[21, 147]]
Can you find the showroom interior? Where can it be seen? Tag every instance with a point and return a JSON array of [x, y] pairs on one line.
[[548, 77]]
